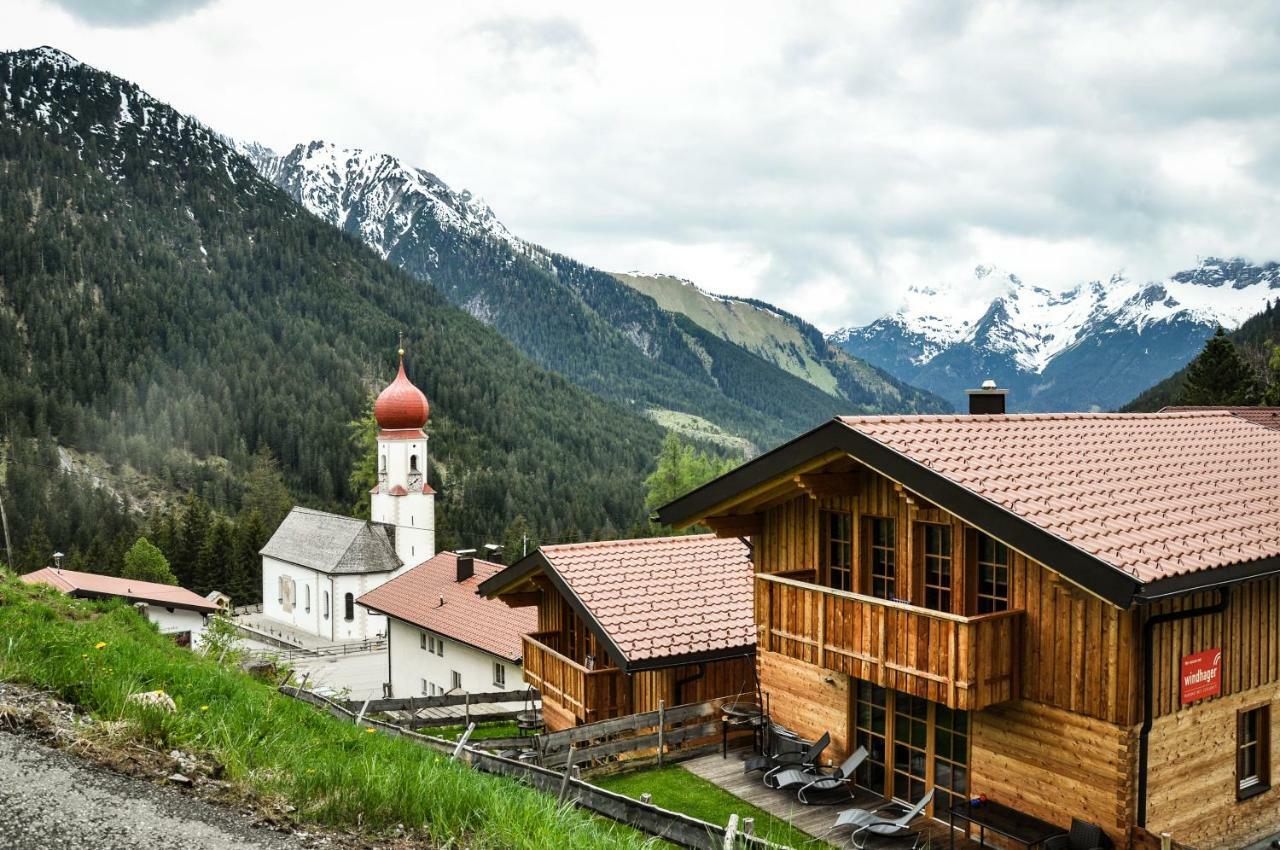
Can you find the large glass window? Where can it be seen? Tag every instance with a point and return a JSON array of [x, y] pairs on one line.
[[950, 758], [993, 575], [871, 725], [837, 548], [937, 566], [910, 747], [882, 558]]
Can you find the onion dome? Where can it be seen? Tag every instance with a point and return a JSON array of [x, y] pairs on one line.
[[401, 406]]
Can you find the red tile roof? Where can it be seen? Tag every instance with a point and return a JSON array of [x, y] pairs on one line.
[[94, 585], [1268, 417], [465, 616], [663, 596], [1154, 495]]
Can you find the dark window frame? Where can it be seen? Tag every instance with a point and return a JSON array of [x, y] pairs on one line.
[[882, 557], [1253, 751], [349, 607], [837, 552], [937, 568], [990, 575]]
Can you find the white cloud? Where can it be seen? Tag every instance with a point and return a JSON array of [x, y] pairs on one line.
[[822, 156]]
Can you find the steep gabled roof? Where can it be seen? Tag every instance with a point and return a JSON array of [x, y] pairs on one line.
[[331, 543], [654, 602], [93, 585], [487, 624], [1130, 506]]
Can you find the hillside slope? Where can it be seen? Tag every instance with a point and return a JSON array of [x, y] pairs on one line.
[[786, 341], [161, 302], [1094, 345], [583, 323]]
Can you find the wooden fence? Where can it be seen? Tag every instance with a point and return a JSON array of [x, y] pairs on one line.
[[675, 827], [474, 707], [659, 731]]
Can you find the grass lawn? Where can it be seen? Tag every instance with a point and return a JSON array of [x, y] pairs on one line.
[[483, 731], [677, 789], [95, 654]]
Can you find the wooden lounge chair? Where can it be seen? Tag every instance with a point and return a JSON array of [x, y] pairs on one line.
[[807, 759], [817, 784], [1083, 836], [867, 823]]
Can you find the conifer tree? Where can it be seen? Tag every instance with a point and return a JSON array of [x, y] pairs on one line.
[[681, 468], [265, 490], [251, 536], [193, 531], [518, 540], [217, 558], [37, 551], [1219, 376]]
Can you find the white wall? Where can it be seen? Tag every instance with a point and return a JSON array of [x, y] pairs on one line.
[[327, 623], [410, 664], [414, 514], [172, 621]]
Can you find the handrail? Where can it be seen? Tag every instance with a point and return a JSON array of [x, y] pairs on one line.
[[532, 638], [888, 603]]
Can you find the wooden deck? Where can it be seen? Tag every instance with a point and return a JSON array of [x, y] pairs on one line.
[[815, 820]]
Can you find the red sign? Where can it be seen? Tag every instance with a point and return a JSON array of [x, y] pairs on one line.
[[1201, 675]]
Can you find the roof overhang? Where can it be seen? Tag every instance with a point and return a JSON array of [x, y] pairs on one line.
[[498, 655], [1095, 575], [206, 608]]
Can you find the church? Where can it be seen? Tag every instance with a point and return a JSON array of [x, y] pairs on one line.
[[318, 564]]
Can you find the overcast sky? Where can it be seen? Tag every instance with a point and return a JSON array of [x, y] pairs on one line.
[[820, 156]]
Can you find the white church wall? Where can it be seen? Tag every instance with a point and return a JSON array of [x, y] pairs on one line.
[[411, 664], [315, 602]]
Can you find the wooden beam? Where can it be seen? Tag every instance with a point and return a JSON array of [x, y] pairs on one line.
[[744, 525], [522, 600], [820, 484]]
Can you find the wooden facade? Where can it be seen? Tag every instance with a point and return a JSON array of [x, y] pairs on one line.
[[1048, 689], [581, 683]]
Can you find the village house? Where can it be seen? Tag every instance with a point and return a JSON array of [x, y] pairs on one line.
[[1077, 615], [176, 611], [442, 636], [624, 624], [318, 564]]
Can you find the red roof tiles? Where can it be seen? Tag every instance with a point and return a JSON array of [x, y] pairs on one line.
[[1154, 495], [663, 596], [465, 616], [95, 585], [1267, 417]]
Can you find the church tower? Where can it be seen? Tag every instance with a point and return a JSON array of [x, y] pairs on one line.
[[403, 498]]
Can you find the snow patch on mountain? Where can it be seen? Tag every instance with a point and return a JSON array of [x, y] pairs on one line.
[[997, 312]]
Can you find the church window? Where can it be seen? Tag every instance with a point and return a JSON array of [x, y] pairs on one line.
[[350, 603], [413, 463], [383, 466], [306, 597], [326, 604]]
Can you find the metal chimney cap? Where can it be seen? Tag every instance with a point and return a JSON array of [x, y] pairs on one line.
[[988, 384]]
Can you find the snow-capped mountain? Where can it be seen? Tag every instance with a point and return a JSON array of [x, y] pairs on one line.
[[1095, 345]]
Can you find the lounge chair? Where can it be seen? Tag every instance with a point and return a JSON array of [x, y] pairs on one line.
[[807, 759], [1083, 836], [779, 741], [867, 823], [816, 783]]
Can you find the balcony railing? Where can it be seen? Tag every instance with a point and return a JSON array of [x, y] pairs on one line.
[[963, 662], [589, 695]]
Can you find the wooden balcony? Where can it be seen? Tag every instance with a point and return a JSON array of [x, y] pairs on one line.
[[585, 695], [962, 662]]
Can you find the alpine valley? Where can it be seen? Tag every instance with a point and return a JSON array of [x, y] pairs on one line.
[[1092, 347]]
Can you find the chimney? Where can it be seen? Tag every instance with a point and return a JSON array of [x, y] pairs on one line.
[[988, 399], [466, 563]]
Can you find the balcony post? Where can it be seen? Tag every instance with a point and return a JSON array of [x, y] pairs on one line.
[[822, 630]]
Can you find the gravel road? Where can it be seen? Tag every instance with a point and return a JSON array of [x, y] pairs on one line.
[[52, 801]]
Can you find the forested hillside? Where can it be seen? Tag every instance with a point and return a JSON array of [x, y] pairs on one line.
[[163, 306], [1255, 343]]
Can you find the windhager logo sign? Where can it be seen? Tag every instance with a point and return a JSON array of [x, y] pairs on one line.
[[1201, 675]]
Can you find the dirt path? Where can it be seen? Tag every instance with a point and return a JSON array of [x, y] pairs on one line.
[[51, 801]]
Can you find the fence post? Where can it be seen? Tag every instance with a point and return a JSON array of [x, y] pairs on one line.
[[748, 826], [662, 726], [360, 716], [301, 685], [1166, 841], [462, 742], [646, 798], [466, 708], [568, 770], [731, 833]]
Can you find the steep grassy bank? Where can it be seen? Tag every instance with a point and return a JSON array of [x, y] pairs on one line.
[[337, 775]]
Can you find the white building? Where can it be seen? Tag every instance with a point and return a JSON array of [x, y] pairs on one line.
[[176, 611], [318, 564], [443, 636]]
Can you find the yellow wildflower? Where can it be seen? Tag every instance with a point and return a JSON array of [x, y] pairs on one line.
[[204, 708], [102, 644], [370, 730]]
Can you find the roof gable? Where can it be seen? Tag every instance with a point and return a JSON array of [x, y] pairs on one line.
[[95, 585], [331, 543]]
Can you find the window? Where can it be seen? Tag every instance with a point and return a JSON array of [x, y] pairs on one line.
[[993, 575], [350, 604], [870, 730], [883, 558], [910, 746], [1253, 751], [422, 641], [413, 463], [500, 675], [280, 590], [937, 566], [306, 596], [837, 548], [382, 464], [950, 757], [326, 604], [426, 687], [455, 679]]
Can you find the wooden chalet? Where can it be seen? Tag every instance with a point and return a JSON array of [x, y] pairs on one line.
[[623, 624], [1077, 615]]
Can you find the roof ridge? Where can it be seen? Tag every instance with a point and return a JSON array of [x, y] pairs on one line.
[[624, 541]]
